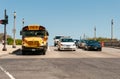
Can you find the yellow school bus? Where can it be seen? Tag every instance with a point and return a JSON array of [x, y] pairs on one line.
[[34, 39]]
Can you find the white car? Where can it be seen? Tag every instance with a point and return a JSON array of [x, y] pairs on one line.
[[66, 44]]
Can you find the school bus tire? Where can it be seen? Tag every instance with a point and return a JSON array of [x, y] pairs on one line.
[[44, 51], [23, 52]]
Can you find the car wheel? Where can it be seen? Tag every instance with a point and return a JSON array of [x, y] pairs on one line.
[[99, 49], [86, 48], [74, 50], [58, 49]]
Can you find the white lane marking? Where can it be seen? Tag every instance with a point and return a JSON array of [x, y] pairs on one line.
[[7, 73]]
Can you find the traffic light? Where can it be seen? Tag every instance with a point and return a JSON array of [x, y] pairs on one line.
[[6, 18], [3, 22]]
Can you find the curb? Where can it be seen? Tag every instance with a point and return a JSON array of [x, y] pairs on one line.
[[10, 50]]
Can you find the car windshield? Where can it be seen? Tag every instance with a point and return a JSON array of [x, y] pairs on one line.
[[83, 41], [76, 40], [40, 33], [67, 40], [57, 37], [93, 42]]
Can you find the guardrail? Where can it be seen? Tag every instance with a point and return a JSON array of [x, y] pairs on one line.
[[112, 44]]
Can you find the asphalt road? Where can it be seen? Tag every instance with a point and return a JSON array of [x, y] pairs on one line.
[[55, 64]]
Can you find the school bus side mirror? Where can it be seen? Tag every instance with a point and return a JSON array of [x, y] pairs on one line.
[[47, 34], [20, 32]]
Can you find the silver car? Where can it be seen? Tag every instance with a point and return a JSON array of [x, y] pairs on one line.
[[82, 43]]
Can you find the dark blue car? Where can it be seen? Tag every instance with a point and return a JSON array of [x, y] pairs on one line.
[[93, 45]]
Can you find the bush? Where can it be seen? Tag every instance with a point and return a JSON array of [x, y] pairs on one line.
[[9, 41], [17, 41]]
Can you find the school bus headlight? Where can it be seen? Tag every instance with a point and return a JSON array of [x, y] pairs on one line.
[[42, 43]]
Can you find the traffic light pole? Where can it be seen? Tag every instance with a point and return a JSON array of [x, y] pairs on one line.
[[4, 38]]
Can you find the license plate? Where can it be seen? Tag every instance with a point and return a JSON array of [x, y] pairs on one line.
[[33, 49], [68, 46]]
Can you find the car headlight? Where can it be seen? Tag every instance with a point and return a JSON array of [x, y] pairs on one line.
[[89, 46]]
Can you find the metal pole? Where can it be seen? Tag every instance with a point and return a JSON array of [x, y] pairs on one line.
[[4, 48], [14, 31], [80, 37], [94, 33], [111, 31], [84, 36]]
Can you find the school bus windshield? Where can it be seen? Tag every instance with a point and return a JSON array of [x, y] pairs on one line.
[[31, 33]]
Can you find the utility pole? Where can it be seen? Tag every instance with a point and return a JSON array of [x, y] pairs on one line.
[[111, 31], [84, 36], [4, 38], [14, 31], [95, 33]]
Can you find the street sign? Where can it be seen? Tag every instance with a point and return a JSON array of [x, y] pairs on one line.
[[1, 21]]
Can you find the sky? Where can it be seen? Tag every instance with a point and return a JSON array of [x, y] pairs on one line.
[[64, 17]]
